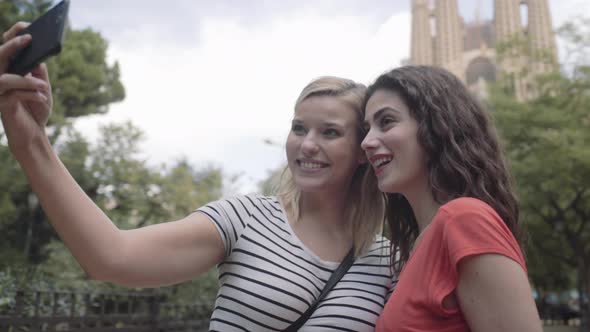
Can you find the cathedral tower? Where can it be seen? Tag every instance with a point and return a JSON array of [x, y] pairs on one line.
[[507, 18], [541, 36], [448, 43], [468, 49], [508, 25], [421, 51]]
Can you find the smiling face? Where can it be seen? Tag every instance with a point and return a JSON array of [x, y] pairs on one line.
[[323, 144], [391, 144]]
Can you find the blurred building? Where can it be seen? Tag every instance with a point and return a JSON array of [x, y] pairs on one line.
[[441, 37]]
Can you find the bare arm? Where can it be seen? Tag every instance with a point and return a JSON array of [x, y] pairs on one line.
[[151, 256], [494, 295]]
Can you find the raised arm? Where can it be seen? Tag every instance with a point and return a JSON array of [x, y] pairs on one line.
[[148, 257]]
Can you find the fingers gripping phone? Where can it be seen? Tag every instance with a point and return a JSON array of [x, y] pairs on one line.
[[47, 33]]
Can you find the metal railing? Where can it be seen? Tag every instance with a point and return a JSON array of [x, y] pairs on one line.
[[43, 310]]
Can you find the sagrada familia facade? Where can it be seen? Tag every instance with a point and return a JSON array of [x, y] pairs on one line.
[[440, 37]]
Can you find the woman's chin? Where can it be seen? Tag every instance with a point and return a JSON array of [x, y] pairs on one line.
[[387, 186], [309, 186]]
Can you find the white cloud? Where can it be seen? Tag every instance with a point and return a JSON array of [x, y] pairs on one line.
[[228, 84], [563, 11], [218, 99]]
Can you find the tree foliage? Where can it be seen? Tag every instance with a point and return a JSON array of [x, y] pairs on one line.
[[112, 170], [83, 84], [547, 141]]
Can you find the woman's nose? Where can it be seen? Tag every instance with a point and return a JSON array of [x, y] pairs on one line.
[[309, 146], [369, 142]]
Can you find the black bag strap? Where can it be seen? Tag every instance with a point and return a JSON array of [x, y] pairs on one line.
[[334, 278]]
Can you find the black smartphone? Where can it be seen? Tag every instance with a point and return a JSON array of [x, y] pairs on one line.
[[47, 33]]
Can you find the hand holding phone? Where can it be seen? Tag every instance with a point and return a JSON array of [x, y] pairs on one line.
[[47, 33]]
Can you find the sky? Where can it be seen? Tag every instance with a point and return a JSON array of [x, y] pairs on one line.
[[215, 81]]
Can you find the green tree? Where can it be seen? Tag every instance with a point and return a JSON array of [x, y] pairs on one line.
[[546, 139], [83, 84], [135, 194], [111, 171]]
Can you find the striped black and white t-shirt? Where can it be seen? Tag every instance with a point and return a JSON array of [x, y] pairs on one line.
[[269, 278]]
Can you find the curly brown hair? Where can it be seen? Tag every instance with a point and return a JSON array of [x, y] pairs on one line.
[[460, 141]]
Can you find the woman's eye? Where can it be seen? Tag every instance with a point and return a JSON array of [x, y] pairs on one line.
[[298, 129], [330, 132], [386, 120]]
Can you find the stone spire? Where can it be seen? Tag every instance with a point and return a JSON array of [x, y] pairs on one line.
[[421, 50], [507, 19], [507, 25], [541, 36], [448, 49]]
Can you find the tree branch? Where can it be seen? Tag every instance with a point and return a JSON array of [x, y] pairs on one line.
[[571, 236], [584, 218]]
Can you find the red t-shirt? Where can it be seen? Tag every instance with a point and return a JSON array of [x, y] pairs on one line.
[[462, 227]]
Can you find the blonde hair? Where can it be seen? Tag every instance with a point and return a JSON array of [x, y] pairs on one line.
[[365, 203]]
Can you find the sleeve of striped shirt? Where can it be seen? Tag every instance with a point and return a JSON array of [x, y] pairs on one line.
[[394, 274], [394, 277], [230, 217]]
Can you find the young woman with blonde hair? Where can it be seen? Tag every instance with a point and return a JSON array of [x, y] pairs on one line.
[[274, 254]]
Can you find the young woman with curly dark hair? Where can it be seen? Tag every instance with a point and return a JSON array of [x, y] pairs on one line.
[[452, 213]]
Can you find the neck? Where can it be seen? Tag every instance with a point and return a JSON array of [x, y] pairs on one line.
[[325, 209], [322, 224], [424, 206]]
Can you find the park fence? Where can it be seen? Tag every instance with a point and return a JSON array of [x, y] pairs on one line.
[[42, 310], [74, 311]]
